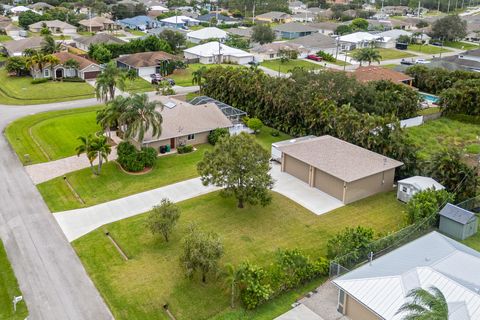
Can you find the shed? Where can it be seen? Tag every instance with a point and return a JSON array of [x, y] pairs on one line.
[[457, 222], [409, 186], [277, 154]]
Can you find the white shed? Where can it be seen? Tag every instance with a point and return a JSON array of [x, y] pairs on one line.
[[409, 186], [277, 154]]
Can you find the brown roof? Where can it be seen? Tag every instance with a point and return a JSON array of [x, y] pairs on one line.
[[339, 158], [374, 73], [64, 56], [21, 45], [145, 59], [96, 22]]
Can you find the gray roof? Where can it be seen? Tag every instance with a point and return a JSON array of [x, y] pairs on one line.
[[294, 27], [456, 214], [229, 111], [52, 24], [422, 183], [21, 45], [315, 40], [99, 38], [273, 15], [242, 32]]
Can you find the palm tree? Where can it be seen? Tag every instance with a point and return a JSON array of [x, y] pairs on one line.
[[367, 55], [72, 64], [86, 147], [232, 276], [425, 304], [110, 115], [140, 116], [49, 45], [102, 148], [38, 60], [197, 76], [110, 78]]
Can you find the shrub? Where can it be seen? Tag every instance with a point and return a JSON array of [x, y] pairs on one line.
[[133, 160], [326, 56], [425, 204], [39, 80], [350, 240], [275, 133], [148, 156], [216, 134], [125, 149], [184, 149], [254, 286], [255, 124], [75, 79]]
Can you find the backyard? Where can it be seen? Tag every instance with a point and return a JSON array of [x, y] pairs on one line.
[[183, 77], [389, 54], [20, 90], [426, 49], [139, 287], [285, 67]]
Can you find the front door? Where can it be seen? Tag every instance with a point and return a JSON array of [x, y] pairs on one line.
[[172, 143]]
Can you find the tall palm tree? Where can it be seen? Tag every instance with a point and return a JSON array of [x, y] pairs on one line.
[[38, 60], [110, 115], [141, 116], [72, 64], [49, 45], [86, 147], [367, 55], [110, 78], [198, 75], [103, 149], [425, 304], [232, 276]]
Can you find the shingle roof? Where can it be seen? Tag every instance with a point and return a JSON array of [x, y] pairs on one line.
[[40, 5], [208, 33], [65, 56], [374, 73], [208, 17], [294, 27], [339, 158], [242, 32], [145, 59], [277, 46], [52, 24], [457, 214], [273, 15], [99, 38], [315, 40], [211, 49], [21, 45]]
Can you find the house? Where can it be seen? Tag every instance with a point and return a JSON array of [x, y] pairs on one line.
[[274, 17], [395, 10], [157, 31], [408, 187], [376, 73], [84, 43], [55, 26], [326, 28], [341, 169], [317, 42], [241, 32], [392, 36], [18, 9], [293, 30], [233, 114], [216, 52], [146, 63], [139, 23], [87, 69], [220, 18], [10, 29], [205, 34], [97, 24], [40, 7], [179, 22], [297, 7], [17, 47], [457, 222], [273, 50], [185, 124], [303, 17], [357, 40]]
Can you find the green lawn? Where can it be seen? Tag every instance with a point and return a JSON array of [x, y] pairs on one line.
[[138, 85], [136, 32], [8, 289], [428, 111], [138, 288], [435, 135], [5, 38], [20, 91], [461, 45], [286, 67], [183, 77], [388, 54], [426, 49], [55, 131], [473, 241]]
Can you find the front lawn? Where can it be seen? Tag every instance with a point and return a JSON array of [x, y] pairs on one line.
[[136, 32], [277, 65], [8, 289], [139, 287], [461, 45], [20, 90], [183, 77], [388, 54], [50, 135], [426, 49], [138, 85]]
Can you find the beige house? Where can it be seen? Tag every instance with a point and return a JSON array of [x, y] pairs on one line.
[[84, 43], [55, 26], [86, 70], [338, 168], [274, 17], [185, 124], [273, 50], [97, 24]]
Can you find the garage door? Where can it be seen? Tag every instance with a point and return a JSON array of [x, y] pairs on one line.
[[329, 184], [91, 75], [296, 168]]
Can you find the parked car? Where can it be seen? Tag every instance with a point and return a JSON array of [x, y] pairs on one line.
[[421, 61], [157, 78], [254, 63], [314, 57], [406, 62], [438, 44]]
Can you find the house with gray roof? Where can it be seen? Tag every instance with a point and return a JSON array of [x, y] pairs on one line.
[[241, 32], [274, 17], [317, 42], [55, 26], [293, 30], [17, 47], [457, 222], [85, 42]]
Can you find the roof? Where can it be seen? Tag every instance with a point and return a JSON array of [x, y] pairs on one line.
[[332, 26], [52, 24], [339, 158], [273, 15], [211, 49], [19, 9], [357, 37], [375, 73], [64, 56], [208, 33], [294, 27], [179, 19], [422, 183], [145, 59], [315, 40], [184, 118], [21, 45], [457, 214], [472, 53], [432, 260], [226, 109], [96, 21], [242, 32], [137, 21], [40, 5], [274, 47], [99, 38], [394, 33], [220, 17], [8, 26], [157, 31]]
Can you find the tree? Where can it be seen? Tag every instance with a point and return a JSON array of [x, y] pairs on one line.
[[241, 166], [110, 78], [237, 41], [163, 218], [255, 124], [72, 64], [45, 31], [86, 147], [367, 55], [101, 54], [110, 115], [232, 277], [27, 18], [461, 98], [49, 45], [343, 29], [217, 134], [262, 33], [449, 28], [175, 39], [201, 252], [350, 240], [427, 203], [197, 76], [94, 147], [38, 60], [425, 304], [404, 39], [359, 24], [16, 65]]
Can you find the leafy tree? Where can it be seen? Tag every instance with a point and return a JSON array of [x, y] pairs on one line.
[[175, 39], [217, 134], [255, 124], [422, 24], [241, 166], [49, 45], [28, 17], [367, 55], [201, 252], [110, 78], [425, 304], [350, 240], [449, 28], [404, 39], [45, 31], [254, 286], [101, 54], [343, 29], [461, 98], [237, 41], [17, 65], [426, 204], [359, 24], [262, 33], [163, 218]]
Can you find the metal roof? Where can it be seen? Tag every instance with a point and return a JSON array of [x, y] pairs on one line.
[[422, 183], [456, 214], [227, 110]]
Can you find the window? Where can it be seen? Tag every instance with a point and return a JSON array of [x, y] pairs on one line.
[[272, 56], [210, 59], [404, 189], [46, 73], [191, 137]]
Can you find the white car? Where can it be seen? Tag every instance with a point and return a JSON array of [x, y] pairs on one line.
[[421, 61]]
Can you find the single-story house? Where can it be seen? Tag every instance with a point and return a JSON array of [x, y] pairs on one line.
[[408, 187], [215, 52], [159, 30], [457, 222], [388, 39], [293, 30], [327, 28], [87, 69], [10, 29], [378, 289], [185, 124], [396, 10], [40, 7], [158, 8], [357, 40], [221, 19], [18, 9], [272, 50], [55, 26], [375, 73], [469, 60], [317, 42], [341, 169], [207, 33], [303, 17], [85, 42], [17, 47], [233, 114], [179, 22], [98, 23], [243, 32], [139, 23], [146, 63], [274, 17], [297, 6]]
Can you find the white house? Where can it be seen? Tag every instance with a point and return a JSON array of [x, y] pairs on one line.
[[205, 34], [392, 36], [179, 22], [409, 186], [270, 51], [215, 52], [357, 40]]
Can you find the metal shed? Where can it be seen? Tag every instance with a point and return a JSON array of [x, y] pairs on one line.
[[233, 114], [457, 222], [409, 186]]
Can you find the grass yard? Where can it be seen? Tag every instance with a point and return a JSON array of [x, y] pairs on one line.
[[435, 135], [388, 54], [461, 45], [8, 289], [138, 85], [183, 77], [56, 132], [426, 49], [473, 241], [20, 90], [139, 287], [286, 67], [5, 38], [428, 111], [136, 32]]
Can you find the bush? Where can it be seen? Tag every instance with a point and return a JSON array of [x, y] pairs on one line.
[[254, 286], [148, 156], [326, 56], [255, 124], [350, 240], [75, 79], [216, 134], [184, 149], [39, 80], [426, 204], [275, 133], [133, 160]]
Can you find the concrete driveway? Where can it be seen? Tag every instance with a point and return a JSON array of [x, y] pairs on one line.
[[311, 198]]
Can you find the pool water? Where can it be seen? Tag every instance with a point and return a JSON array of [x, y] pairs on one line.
[[430, 97]]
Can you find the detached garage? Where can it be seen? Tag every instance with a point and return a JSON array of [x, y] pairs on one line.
[[338, 168]]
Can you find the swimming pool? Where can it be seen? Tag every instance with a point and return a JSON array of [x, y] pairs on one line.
[[429, 97]]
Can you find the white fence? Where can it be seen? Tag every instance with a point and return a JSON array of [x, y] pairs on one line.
[[412, 122]]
